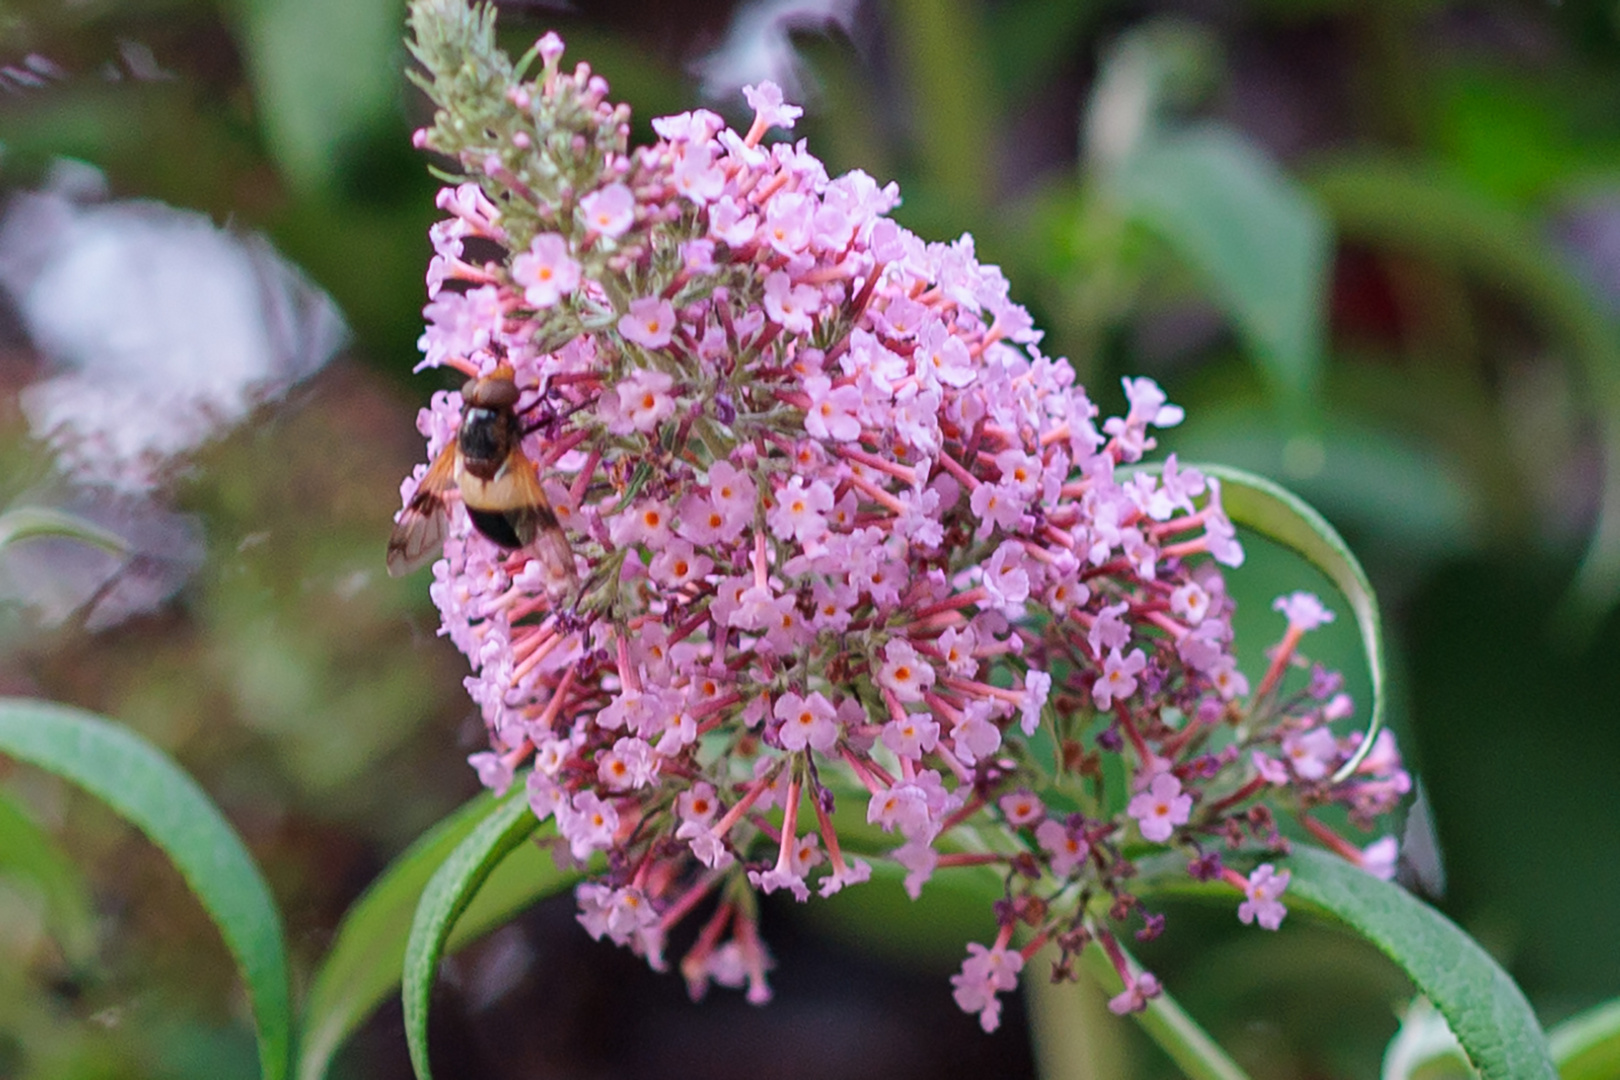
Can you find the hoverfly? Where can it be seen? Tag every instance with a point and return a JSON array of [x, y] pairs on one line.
[[499, 486]]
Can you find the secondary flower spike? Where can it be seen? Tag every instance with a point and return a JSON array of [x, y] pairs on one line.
[[856, 563]]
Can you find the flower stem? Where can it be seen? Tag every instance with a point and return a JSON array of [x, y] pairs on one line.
[[1167, 1024]]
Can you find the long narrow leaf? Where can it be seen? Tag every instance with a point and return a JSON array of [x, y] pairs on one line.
[[323, 75], [29, 852], [364, 961], [447, 896], [1258, 239], [1587, 1045], [364, 964], [1483, 1006], [28, 522], [151, 792]]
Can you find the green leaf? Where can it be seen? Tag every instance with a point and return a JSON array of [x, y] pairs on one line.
[[28, 522], [1483, 1006], [29, 852], [323, 74], [1587, 1045], [366, 957], [150, 791], [1257, 239], [364, 961], [447, 896], [1272, 511]]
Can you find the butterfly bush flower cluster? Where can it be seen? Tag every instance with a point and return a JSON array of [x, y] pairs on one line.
[[861, 574]]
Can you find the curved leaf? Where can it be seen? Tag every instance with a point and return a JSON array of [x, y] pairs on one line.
[[1587, 1045], [1483, 1006], [323, 75], [27, 522], [151, 792], [447, 896], [1258, 239], [1277, 514], [28, 851], [363, 966]]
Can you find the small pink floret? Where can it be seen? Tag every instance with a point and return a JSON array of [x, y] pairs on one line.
[[1263, 905], [650, 322], [1303, 611], [609, 211], [546, 271], [1160, 808]]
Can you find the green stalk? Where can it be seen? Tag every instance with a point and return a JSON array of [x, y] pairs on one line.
[[1167, 1024]]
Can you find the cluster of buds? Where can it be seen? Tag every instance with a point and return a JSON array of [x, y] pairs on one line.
[[858, 572]]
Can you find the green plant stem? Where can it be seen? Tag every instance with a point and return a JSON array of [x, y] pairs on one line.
[[957, 128], [1072, 1034], [1167, 1024]]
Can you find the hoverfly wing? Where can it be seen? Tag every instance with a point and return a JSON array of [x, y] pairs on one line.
[[535, 524], [418, 536], [550, 546]]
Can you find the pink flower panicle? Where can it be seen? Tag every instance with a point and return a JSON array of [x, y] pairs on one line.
[[846, 536]]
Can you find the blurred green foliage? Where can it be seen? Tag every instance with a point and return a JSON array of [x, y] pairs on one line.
[[1374, 249]]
